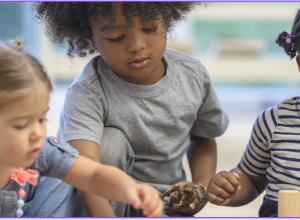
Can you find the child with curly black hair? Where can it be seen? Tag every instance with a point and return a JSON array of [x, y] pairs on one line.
[[138, 106], [271, 160]]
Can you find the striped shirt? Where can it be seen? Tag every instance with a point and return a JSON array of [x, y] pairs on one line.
[[274, 147]]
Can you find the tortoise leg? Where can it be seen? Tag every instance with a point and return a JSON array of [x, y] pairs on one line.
[[169, 191], [186, 199]]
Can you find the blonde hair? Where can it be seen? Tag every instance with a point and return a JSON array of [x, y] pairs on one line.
[[18, 71]]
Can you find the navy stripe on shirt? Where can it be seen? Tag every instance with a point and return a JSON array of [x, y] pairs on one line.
[[259, 168], [287, 158], [265, 123], [286, 141], [292, 110], [273, 117], [261, 132], [273, 190], [258, 174], [260, 161], [285, 174], [289, 125], [284, 149], [285, 167], [286, 133]]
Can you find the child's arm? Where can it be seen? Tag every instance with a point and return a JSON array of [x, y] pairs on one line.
[[202, 156], [235, 188], [111, 183], [255, 160], [92, 202]]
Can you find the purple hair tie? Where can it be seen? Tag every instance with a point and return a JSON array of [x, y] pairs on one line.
[[288, 39]]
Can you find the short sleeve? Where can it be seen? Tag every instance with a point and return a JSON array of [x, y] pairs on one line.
[[56, 158], [82, 115], [257, 156], [211, 119]]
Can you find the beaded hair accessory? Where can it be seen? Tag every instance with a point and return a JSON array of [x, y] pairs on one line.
[[288, 39], [22, 176]]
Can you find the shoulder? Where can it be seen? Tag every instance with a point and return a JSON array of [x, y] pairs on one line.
[[56, 158], [289, 108], [280, 113], [178, 56], [55, 144], [87, 80], [295, 101], [187, 66]]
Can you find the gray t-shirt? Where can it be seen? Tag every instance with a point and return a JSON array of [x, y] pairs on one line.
[[54, 160], [156, 119]]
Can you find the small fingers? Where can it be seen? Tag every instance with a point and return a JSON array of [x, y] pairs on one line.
[[151, 202], [214, 199], [220, 191], [228, 182], [192, 206], [191, 209], [237, 173], [147, 202], [133, 196], [157, 212]]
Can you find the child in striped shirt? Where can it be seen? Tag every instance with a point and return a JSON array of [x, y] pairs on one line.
[[271, 160]]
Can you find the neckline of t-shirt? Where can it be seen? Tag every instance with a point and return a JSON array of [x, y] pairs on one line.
[[138, 90]]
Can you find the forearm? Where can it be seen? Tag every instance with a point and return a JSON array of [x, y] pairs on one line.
[[115, 187], [94, 205], [251, 187], [105, 181], [202, 157]]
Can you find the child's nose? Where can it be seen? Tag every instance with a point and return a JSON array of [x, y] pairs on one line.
[[37, 132], [136, 43]]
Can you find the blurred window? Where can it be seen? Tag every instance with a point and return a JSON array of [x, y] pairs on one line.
[[262, 32], [11, 22]]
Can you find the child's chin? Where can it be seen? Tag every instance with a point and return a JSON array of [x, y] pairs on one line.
[[27, 163]]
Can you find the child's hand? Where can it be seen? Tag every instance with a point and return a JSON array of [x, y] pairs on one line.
[[143, 196], [223, 186], [191, 209]]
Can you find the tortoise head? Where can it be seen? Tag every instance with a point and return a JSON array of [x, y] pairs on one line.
[[200, 192]]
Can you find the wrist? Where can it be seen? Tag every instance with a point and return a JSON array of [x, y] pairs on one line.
[[128, 188], [234, 169]]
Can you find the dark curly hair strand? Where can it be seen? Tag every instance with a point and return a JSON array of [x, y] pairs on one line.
[[69, 21], [292, 48]]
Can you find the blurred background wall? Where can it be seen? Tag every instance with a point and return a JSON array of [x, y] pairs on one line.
[[236, 43]]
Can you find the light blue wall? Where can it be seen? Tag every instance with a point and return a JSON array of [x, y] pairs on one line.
[[17, 21]]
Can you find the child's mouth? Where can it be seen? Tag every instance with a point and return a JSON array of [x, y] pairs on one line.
[[139, 63], [35, 152]]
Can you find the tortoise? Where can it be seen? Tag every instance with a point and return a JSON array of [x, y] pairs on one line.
[[187, 193]]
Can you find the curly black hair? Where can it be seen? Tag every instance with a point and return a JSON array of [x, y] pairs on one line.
[[292, 47], [69, 21]]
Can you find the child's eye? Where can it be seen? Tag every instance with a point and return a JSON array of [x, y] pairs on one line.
[[41, 120], [118, 39], [20, 127], [150, 30]]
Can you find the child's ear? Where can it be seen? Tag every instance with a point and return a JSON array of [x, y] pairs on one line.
[[298, 61], [90, 40]]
